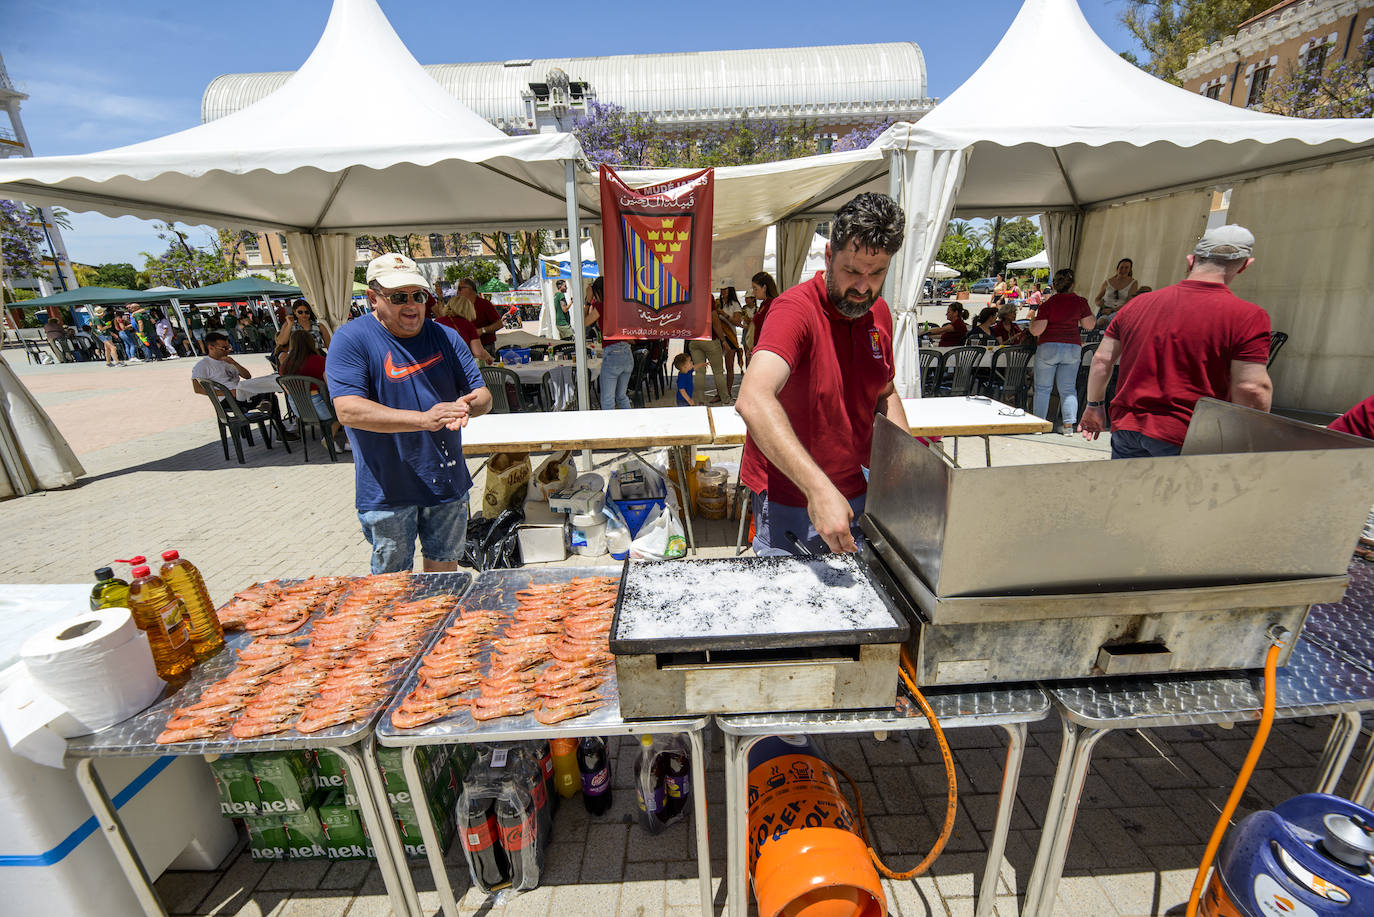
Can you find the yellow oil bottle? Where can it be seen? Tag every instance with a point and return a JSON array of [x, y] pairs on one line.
[[161, 616], [207, 634]]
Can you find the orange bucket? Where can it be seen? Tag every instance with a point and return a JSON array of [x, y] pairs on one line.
[[804, 856]]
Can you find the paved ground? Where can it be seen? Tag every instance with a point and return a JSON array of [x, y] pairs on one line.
[[157, 478]]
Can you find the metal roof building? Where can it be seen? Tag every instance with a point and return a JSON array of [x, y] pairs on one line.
[[827, 86]]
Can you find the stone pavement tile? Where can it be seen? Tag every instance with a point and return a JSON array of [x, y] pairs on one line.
[[932, 784], [1083, 852], [1134, 894], [1211, 770], [682, 886], [644, 872], [1083, 896], [1304, 779], [258, 904], [976, 737], [983, 766], [1165, 773], [1282, 749], [1114, 744], [844, 752], [1098, 793], [562, 863], [346, 874], [960, 907], [1006, 906], [604, 856], [570, 824], [317, 904], [1032, 796], [895, 749], [916, 897], [1017, 861], [1271, 788], [235, 885], [957, 875], [533, 903], [1167, 857], [182, 891], [1125, 781], [1309, 732], [874, 802], [1188, 818], [585, 899], [897, 790], [982, 810], [1112, 835], [642, 899], [370, 906], [1036, 762]]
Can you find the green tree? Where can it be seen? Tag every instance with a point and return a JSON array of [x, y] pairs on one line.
[[360, 274], [519, 251], [1170, 30], [185, 265], [963, 249], [480, 270], [1020, 239], [120, 275], [381, 245]]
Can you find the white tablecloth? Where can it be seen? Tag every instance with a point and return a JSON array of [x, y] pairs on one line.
[[531, 373], [258, 385]]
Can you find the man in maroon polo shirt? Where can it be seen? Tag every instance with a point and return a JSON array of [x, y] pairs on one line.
[[488, 320], [1195, 339], [822, 367]]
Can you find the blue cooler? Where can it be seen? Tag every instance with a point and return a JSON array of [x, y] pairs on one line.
[[1309, 856]]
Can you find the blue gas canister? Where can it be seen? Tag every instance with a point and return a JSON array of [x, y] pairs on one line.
[[1309, 857]]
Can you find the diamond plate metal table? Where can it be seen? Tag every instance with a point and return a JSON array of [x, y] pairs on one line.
[[1010, 708], [135, 737], [496, 589], [1314, 683]]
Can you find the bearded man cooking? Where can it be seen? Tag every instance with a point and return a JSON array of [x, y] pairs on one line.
[[822, 368]]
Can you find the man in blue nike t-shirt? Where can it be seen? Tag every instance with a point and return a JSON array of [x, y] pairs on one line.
[[404, 387]]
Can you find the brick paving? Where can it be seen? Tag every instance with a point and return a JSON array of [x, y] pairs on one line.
[[157, 478]]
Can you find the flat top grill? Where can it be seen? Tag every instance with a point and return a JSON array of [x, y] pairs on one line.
[[751, 603]]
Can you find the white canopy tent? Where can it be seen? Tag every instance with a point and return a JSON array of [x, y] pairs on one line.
[[1038, 262], [1101, 131]]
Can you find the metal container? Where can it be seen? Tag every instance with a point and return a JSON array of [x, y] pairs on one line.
[[687, 671], [1127, 566], [541, 544]]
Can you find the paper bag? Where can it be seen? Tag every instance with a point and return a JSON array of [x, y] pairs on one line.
[[508, 480]]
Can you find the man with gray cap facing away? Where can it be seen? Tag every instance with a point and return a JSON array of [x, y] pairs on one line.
[[405, 387], [1195, 339]]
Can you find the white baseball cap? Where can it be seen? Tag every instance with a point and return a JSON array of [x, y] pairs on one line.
[[1228, 243], [393, 271]]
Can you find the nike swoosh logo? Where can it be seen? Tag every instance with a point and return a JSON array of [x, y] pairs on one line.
[[400, 372]]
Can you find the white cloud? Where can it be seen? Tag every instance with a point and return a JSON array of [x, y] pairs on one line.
[[97, 239], [80, 97]]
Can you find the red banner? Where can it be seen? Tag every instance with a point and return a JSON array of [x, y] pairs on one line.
[[656, 257]]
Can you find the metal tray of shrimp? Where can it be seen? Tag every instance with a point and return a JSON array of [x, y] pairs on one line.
[[496, 589], [136, 735]]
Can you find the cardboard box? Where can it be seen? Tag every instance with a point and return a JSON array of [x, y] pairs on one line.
[[345, 834], [285, 782], [267, 838], [238, 790], [305, 835], [414, 841], [331, 774]]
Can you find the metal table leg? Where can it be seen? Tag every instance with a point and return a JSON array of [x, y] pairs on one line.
[[433, 849], [113, 829], [736, 822], [1339, 746], [680, 457], [1075, 756], [698, 748], [381, 827], [1006, 803], [1363, 792]]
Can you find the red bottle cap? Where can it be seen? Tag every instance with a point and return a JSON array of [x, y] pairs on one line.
[[170, 555], [141, 571], [135, 560]]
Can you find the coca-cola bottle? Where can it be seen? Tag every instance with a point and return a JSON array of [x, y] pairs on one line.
[[487, 861], [676, 763], [517, 817], [595, 767], [542, 752], [649, 786]]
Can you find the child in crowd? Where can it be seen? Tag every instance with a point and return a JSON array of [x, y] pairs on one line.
[[685, 385]]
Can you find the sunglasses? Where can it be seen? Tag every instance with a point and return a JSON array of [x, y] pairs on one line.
[[301, 312], [401, 297]]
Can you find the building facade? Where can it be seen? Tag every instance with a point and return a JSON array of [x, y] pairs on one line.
[[1292, 37], [57, 266]]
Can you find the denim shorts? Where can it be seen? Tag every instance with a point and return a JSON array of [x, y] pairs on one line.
[[773, 521], [442, 531]]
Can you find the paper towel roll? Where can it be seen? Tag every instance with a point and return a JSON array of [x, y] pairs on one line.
[[97, 665]]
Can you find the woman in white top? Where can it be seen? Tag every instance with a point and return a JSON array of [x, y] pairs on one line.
[[1116, 291]]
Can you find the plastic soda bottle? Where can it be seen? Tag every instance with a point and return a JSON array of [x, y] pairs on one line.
[[676, 762], [159, 614], [517, 819], [649, 786], [565, 777], [478, 828], [109, 592], [207, 634], [595, 767]]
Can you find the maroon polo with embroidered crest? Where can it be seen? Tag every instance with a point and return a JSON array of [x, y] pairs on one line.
[[839, 367]]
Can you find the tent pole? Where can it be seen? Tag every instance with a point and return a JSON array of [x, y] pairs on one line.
[[185, 328], [894, 190], [579, 329]]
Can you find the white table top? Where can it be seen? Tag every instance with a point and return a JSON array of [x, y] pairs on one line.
[[638, 428], [522, 339], [258, 385], [925, 417], [531, 373]]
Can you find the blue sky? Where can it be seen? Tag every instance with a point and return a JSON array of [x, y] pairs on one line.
[[102, 74]]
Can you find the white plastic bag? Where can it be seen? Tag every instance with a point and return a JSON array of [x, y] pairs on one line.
[[661, 538], [617, 532]]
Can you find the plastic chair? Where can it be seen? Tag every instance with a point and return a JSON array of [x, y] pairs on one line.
[[504, 385], [33, 351], [963, 360], [297, 389], [1276, 341], [638, 388], [563, 351], [234, 419], [538, 351], [1009, 379], [931, 368]]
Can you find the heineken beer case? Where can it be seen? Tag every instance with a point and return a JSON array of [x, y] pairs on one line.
[[285, 782], [305, 834], [266, 837], [238, 790]]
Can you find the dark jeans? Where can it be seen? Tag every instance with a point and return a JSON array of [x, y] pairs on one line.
[[1130, 444]]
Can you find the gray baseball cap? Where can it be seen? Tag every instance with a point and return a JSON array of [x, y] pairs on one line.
[[1229, 243]]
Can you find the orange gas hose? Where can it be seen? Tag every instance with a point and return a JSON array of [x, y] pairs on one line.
[[951, 798], [1271, 662]]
